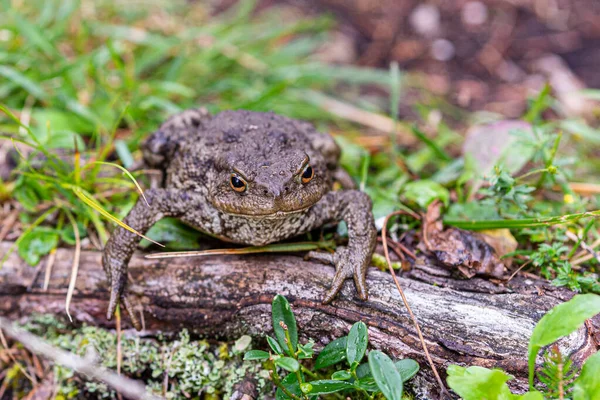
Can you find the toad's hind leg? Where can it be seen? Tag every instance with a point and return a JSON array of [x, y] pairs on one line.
[[158, 149]]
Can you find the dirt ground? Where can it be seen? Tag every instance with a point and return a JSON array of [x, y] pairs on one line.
[[482, 55]]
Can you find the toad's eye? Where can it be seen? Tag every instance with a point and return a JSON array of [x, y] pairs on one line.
[[307, 174], [237, 183]]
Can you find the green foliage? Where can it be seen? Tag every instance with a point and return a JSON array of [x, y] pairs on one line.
[[562, 320], [476, 383], [508, 197], [557, 373], [333, 353], [587, 386], [424, 192], [356, 345], [284, 325], [385, 374], [379, 377], [37, 243]]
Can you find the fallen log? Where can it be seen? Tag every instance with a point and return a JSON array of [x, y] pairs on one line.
[[471, 322]]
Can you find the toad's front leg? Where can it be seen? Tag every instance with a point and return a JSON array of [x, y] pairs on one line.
[[122, 243], [352, 261]]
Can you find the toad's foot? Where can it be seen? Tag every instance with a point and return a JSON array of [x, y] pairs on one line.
[[117, 278], [348, 264]]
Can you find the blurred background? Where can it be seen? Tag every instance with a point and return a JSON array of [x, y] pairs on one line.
[[483, 55], [488, 107]]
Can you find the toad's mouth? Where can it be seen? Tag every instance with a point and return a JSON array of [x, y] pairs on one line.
[[257, 214]]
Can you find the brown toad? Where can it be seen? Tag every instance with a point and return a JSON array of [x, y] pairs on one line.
[[250, 178]]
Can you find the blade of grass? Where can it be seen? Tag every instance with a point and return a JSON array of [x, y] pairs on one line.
[[23, 81], [272, 248], [124, 170], [40, 146], [520, 223], [431, 144], [75, 265], [87, 199], [394, 105]]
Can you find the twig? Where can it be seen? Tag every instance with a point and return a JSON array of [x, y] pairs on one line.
[[128, 387], [8, 223], [12, 357], [444, 392], [518, 269], [119, 347], [589, 249]]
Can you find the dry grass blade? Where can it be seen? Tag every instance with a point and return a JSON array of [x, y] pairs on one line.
[[366, 118], [93, 204], [272, 248], [75, 267], [130, 388], [49, 265], [444, 392]]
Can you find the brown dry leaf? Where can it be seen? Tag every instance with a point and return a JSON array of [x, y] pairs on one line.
[[502, 241], [458, 249]]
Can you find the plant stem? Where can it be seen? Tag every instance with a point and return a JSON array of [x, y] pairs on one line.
[[308, 371], [277, 381], [288, 340], [520, 223]]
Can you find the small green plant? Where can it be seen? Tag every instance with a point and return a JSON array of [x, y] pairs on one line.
[[378, 376], [556, 375]]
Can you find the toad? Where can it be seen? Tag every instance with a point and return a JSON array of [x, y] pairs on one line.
[[249, 178]]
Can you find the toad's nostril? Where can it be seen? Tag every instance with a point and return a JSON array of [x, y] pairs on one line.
[[287, 189], [265, 192]]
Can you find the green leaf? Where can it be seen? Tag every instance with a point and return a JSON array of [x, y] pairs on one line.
[[587, 385], [476, 383], [342, 375], [561, 321], [356, 345], [332, 354], [424, 192], [290, 382], [67, 234], [385, 374], [407, 368], [256, 355], [36, 244], [329, 386], [367, 383], [174, 234], [274, 345], [306, 350], [24, 82], [363, 370], [282, 315], [288, 363]]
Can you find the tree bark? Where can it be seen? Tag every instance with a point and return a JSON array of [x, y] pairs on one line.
[[470, 322]]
